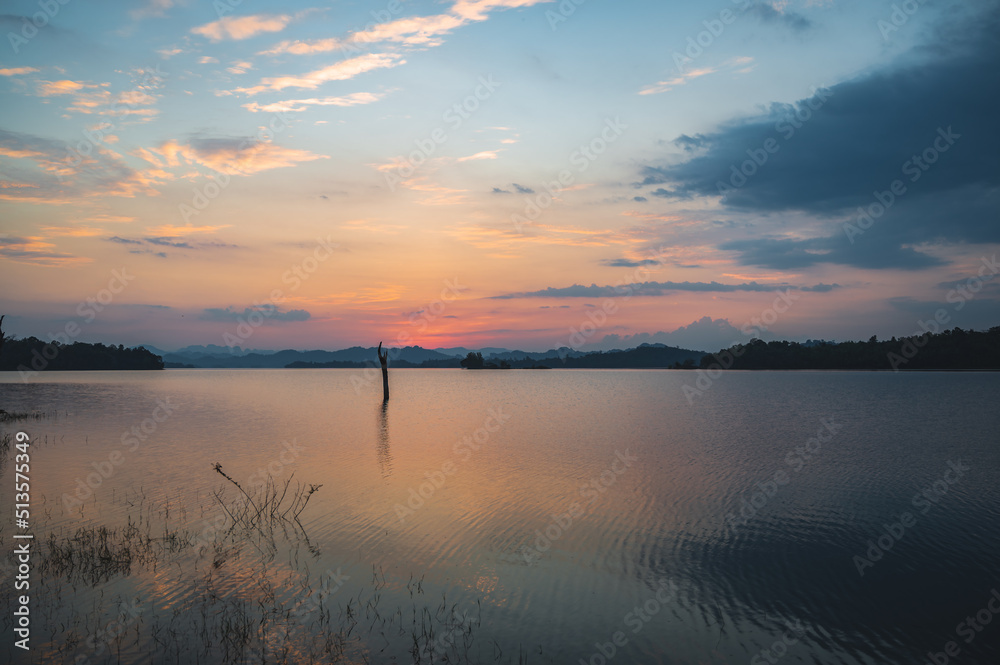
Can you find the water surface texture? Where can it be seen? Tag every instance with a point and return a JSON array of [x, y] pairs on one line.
[[532, 514]]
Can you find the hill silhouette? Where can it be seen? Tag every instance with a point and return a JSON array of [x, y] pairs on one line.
[[31, 354], [950, 349]]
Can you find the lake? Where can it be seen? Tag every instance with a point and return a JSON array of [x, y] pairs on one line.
[[558, 516]]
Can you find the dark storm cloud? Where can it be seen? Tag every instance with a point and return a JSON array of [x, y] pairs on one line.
[[836, 151]]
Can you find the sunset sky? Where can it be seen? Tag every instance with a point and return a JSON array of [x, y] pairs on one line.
[[491, 172]]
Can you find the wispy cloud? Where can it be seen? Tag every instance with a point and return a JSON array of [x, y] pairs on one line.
[[98, 99], [174, 231], [743, 62], [341, 71], [17, 71], [291, 105], [242, 27], [233, 156], [424, 31], [240, 67], [485, 154], [35, 250], [152, 9], [62, 181]]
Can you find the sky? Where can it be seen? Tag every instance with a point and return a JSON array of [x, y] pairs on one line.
[[515, 173]]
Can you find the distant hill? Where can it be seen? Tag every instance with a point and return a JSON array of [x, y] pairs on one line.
[[33, 354], [647, 356], [951, 349], [355, 356]]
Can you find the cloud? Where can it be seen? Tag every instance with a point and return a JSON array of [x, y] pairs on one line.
[[656, 289], [877, 252], [73, 231], [840, 148], [293, 105], [628, 263], [64, 87], [242, 27], [485, 154], [152, 9], [98, 99], [169, 242], [341, 71], [504, 236], [36, 251], [174, 231], [56, 177], [304, 48], [233, 156], [240, 67], [774, 12], [108, 219], [17, 71], [670, 84], [520, 189], [417, 31], [742, 64], [270, 314]]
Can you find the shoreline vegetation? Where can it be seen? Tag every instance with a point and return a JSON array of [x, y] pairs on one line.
[[30, 355], [954, 349]]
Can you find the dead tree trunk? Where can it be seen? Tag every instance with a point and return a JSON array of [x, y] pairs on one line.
[[383, 359], [1, 333]]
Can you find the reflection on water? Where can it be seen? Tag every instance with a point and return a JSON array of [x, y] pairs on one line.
[[500, 508], [383, 452]]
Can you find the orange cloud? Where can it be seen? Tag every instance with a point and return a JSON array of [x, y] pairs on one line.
[[107, 219], [341, 71], [413, 31], [242, 27], [64, 87], [73, 231], [95, 98], [305, 48], [230, 156], [174, 231], [17, 71], [35, 250]]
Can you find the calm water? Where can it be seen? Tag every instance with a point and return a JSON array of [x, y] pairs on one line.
[[548, 509]]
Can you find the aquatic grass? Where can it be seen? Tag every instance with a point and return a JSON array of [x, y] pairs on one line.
[[240, 607], [8, 416], [265, 505]]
